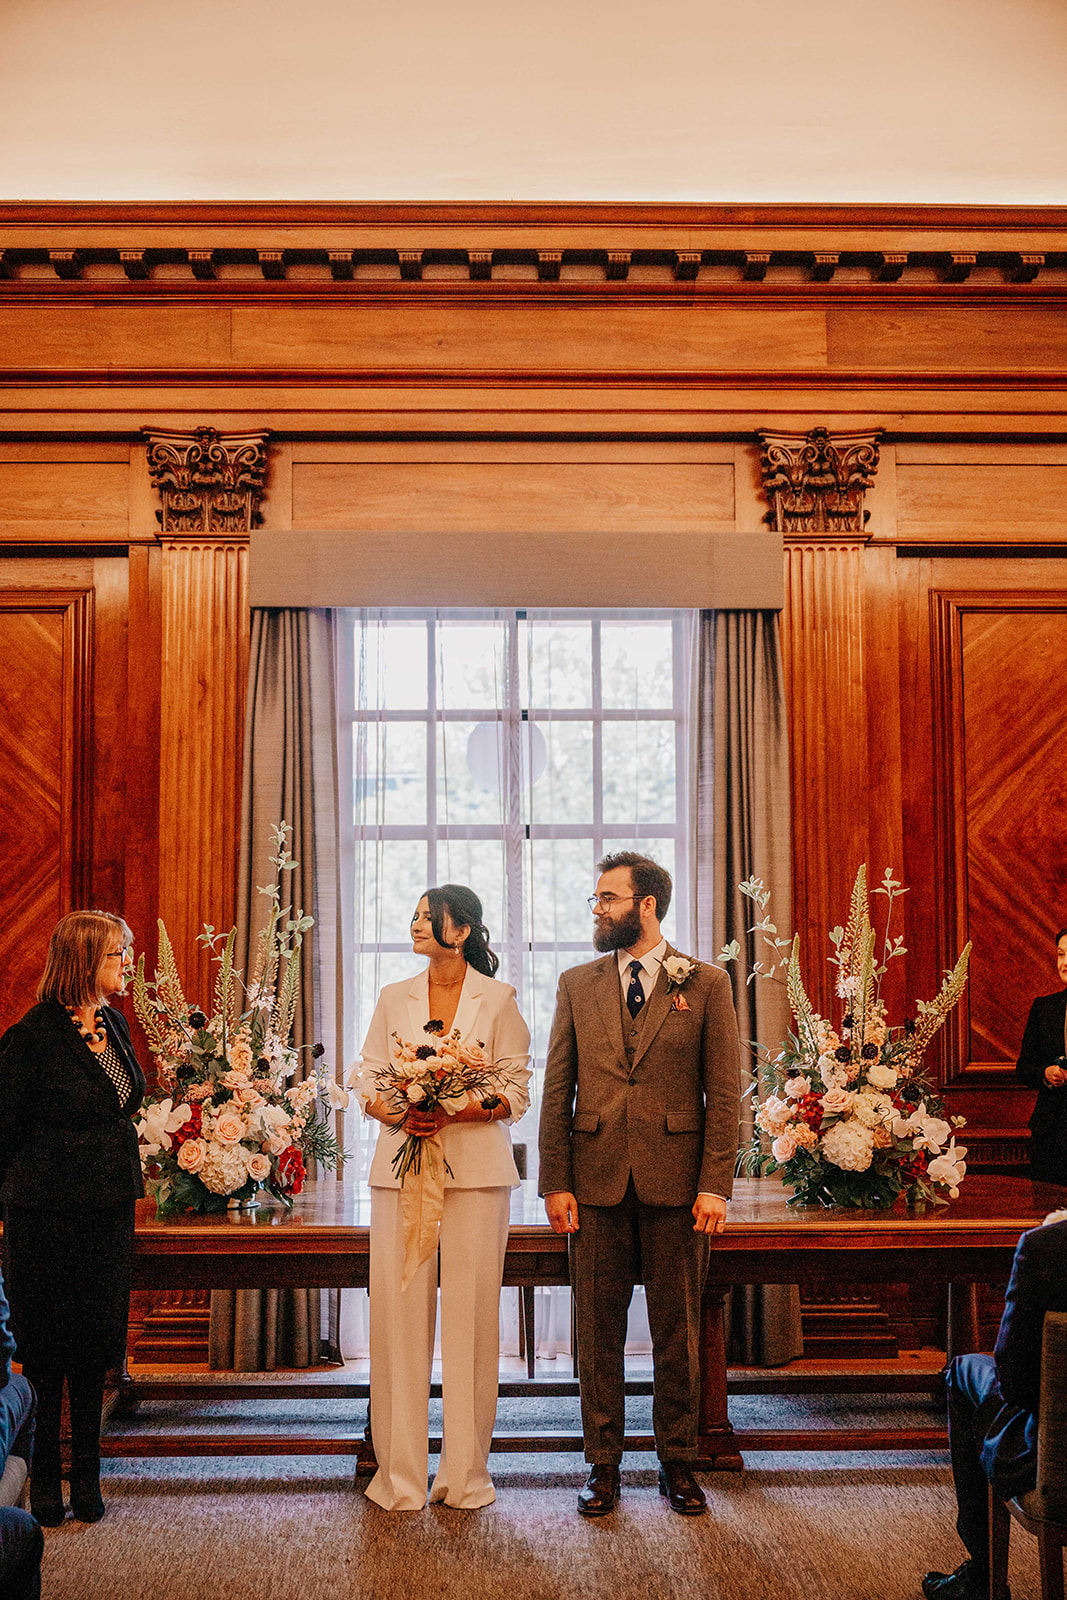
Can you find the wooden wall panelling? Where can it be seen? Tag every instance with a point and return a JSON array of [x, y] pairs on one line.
[[141, 726], [70, 493], [983, 818], [205, 628], [45, 722], [513, 498], [824, 649]]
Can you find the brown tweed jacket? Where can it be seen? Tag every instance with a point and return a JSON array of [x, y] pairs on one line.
[[671, 1119]]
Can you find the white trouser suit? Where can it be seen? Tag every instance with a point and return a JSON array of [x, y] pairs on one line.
[[474, 1232]]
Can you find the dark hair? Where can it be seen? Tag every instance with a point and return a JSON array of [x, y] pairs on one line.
[[1061, 935], [465, 909], [75, 951], [648, 877]]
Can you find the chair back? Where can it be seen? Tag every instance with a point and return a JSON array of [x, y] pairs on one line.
[[1050, 1497]]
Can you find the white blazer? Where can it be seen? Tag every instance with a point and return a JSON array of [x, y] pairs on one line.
[[479, 1153]]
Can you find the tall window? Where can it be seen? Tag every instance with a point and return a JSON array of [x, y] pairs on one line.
[[508, 750]]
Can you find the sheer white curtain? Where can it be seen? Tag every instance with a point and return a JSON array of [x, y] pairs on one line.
[[508, 750]]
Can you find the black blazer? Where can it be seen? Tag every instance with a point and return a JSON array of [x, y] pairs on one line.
[[66, 1142], [1042, 1045], [1038, 1284]]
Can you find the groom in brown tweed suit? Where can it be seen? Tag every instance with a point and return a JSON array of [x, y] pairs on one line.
[[639, 1122]]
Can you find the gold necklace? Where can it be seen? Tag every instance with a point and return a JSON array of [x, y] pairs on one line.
[[437, 983]]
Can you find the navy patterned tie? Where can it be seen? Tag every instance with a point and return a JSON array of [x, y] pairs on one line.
[[635, 995]]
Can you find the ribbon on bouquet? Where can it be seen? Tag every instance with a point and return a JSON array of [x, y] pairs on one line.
[[422, 1200]]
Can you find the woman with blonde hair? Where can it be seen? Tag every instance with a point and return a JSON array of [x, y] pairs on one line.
[[69, 1176]]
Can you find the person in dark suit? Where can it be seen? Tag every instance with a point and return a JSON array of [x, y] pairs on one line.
[[69, 1085], [639, 1120], [1043, 1051], [21, 1541], [992, 1407]]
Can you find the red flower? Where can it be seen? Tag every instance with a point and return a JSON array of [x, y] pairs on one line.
[[291, 1169], [811, 1111], [188, 1130]]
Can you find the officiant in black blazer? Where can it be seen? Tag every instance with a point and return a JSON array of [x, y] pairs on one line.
[[1044, 1048], [70, 1174]]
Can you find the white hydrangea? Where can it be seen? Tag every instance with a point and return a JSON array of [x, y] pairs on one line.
[[849, 1145], [225, 1168], [872, 1108]]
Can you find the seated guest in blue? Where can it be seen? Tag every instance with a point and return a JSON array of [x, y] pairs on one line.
[[992, 1407], [1040, 1065], [21, 1539]]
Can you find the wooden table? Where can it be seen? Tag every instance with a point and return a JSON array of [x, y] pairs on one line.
[[324, 1242]]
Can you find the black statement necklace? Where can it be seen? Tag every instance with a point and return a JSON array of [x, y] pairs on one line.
[[97, 1034]]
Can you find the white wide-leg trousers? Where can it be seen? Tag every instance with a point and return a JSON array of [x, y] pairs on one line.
[[474, 1236]]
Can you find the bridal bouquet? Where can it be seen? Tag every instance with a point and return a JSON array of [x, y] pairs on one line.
[[227, 1121], [851, 1116], [447, 1074]]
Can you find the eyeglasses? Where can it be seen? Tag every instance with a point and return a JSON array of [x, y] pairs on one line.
[[604, 902]]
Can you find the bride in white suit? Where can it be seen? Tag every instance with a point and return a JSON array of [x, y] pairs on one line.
[[457, 990]]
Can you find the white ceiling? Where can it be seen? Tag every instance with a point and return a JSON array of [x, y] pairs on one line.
[[953, 101]]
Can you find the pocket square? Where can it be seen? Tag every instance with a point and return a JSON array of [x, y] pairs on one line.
[[679, 1003]]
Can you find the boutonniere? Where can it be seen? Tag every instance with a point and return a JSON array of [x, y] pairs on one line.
[[679, 970]]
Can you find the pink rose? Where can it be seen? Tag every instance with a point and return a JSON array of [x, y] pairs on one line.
[[835, 1102], [191, 1155], [229, 1128], [784, 1147], [258, 1167]]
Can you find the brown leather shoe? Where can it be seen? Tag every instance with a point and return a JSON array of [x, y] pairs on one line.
[[683, 1492], [600, 1492]]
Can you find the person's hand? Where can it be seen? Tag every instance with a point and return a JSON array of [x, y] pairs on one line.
[[424, 1124], [561, 1209], [1055, 1077], [709, 1214]]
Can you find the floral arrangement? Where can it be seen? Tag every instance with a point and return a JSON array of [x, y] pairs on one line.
[[851, 1116], [225, 1122], [446, 1073]]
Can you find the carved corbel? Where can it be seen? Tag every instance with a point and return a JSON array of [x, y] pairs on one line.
[[480, 265], [548, 265], [686, 265], [815, 482], [754, 265], [618, 266], [208, 482]]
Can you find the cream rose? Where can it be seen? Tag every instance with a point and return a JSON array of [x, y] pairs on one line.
[[191, 1155], [229, 1127], [416, 1094], [835, 1102], [258, 1167], [881, 1077], [784, 1147], [796, 1088]]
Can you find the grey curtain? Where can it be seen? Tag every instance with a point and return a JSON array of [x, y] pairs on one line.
[[742, 810], [290, 774]]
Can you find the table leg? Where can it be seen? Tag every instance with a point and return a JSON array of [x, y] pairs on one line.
[[716, 1442], [961, 1335]]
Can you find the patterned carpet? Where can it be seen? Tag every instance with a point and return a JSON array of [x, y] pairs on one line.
[[801, 1527]]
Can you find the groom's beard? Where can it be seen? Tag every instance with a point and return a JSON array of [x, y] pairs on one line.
[[618, 934]]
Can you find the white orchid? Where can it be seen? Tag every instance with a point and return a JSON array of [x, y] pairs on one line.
[[949, 1168], [158, 1122], [336, 1095]]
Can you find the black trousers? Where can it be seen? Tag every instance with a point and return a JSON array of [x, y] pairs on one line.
[[615, 1248]]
